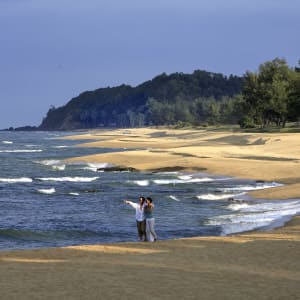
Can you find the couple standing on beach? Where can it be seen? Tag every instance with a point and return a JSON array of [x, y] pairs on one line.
[[144, 218]]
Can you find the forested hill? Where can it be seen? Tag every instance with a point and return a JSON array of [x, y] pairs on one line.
[[166, 99]]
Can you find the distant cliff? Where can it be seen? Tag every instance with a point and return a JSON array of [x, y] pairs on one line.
[[166, 99]]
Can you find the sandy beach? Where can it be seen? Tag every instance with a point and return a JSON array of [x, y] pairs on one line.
[[256, 265]]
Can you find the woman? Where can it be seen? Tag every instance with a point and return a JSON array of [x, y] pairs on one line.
[[150, 221]]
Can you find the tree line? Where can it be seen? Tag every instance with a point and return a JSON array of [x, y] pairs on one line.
[[268, 97]]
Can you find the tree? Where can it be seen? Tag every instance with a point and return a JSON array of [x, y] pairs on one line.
[[266, 93]]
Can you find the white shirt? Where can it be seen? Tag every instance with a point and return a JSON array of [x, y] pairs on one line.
[[139, 212]]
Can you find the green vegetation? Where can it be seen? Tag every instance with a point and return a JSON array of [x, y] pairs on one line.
[[268, 98], [271, 96]]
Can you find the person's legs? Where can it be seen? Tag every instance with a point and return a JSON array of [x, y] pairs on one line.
[[140, 229], [151, 229], [143, 230], [148, 231]]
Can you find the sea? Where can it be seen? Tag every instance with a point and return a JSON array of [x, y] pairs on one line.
[[46, 202]]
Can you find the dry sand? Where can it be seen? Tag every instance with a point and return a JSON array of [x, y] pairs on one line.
[[257, 265]]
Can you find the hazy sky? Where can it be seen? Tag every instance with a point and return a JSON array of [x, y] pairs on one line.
[[52, 50]]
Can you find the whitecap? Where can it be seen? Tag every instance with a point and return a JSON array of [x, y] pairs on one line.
[[250, 187], [16, 180], [59, 167], [211, 196], [185, 177], [49, 162], [238, 206], [178, 181], [7, 142], [94, 167], [74, 194], [141, 182], [62, 146], [68, 179], [167, 173], [174, 198], [21, 151], [255, 216], [47, 191]]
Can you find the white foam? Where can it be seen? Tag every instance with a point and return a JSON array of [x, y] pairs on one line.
[[74, 194], [249, 187], [94, 167], [252, 216], [238, 206], [167, 173], [141, 182], [185, 177], [21, 151], [59, 167], [68, 179], [49, 162], [16, 180], [47, 191], [174, 198], [216, 197], [62, 146], [178, 181], [7, 142]]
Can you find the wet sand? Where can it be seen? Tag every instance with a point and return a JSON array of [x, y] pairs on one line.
[[256, 265]]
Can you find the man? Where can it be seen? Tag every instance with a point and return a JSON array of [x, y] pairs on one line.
[[139, 216]]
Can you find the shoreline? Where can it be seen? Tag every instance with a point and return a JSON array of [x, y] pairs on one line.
[[248, 265], [218, 153]]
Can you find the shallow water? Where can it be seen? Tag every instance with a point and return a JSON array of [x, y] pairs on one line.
[[45, 202]]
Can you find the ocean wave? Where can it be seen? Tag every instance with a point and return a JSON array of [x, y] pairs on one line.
[[59, 167], [16, 180], [167, 173], [174, 198], [7, 142], [211, 196], [68, 179], [21, 151], [62, 146], [255, 216], [94, 167], [250, 187], [179, 181], [49, 162], [73, 194], [141, 182], [238, 206], [47, 191]]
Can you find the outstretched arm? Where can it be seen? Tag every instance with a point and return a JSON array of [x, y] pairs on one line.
[[134, 205]]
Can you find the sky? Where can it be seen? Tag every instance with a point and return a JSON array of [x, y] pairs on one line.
[[53, 50]]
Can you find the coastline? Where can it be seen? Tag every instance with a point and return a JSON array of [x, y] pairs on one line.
[[256, 156], [263, 265]]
